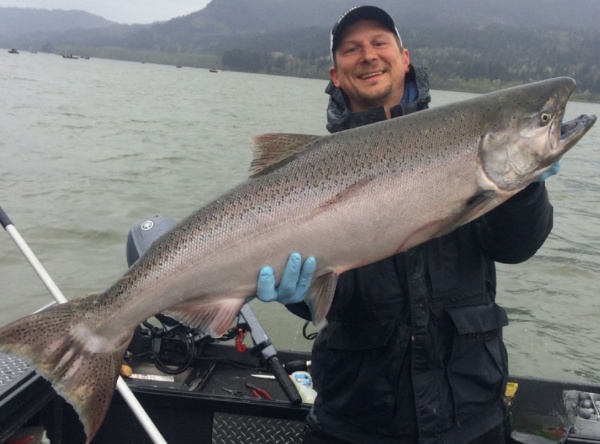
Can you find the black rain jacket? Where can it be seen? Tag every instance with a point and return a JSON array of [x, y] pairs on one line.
[[412, 350]]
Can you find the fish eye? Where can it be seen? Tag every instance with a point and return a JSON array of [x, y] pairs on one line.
[[545, 117]]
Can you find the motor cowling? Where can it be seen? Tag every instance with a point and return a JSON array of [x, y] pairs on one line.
[[142, 235]]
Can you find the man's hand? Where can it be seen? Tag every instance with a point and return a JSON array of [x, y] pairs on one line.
[[294, 284], [549, 172]]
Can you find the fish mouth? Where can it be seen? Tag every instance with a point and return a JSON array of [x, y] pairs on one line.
[[573, 130]]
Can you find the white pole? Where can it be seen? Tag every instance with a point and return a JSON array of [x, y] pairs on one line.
[[122, 386], [36, 265]]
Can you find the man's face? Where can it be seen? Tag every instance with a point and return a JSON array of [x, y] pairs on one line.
[[370, 66]]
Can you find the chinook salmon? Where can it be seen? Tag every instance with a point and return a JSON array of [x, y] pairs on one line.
[[349, 199]]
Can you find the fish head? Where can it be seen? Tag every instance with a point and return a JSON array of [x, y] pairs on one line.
[[524, 133]]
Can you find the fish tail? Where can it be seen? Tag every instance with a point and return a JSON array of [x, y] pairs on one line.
[[57, 343]]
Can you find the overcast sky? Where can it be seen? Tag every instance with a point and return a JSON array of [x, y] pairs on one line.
[[120, 11]]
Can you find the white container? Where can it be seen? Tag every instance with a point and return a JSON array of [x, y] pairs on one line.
[[303, 382]]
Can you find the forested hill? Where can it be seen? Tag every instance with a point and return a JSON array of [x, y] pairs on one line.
[[271, 15], [474, 45], [16, 22]]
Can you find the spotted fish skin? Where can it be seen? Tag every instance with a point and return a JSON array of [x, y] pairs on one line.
[[349, 199]]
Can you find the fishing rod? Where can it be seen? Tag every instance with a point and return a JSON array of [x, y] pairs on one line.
[[122, 386]]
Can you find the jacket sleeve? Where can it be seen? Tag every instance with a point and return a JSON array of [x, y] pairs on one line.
[[515, 230]]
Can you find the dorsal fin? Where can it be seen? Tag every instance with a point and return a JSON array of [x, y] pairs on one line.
[[270, 149]]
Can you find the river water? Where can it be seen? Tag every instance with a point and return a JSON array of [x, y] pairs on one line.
[[89, 148]]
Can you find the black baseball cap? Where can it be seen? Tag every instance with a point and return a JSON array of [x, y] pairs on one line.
[[361, 13]]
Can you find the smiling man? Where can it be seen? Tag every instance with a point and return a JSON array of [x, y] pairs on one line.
[[412, 351], [370, 63], [371, 77]]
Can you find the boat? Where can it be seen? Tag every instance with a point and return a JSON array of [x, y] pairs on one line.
[[209, 402], [235, 390], [13, 51], [213, 70], [69, 56]]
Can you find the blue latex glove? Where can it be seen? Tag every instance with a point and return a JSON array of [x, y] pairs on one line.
[[294, 284], [549, 172]]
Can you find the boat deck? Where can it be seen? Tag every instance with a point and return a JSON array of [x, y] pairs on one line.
[[194, 407], [211, 413], [189, 407], [23, 394]]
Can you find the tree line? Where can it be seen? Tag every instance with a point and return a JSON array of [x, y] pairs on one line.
[[467, 58], [477, 59]]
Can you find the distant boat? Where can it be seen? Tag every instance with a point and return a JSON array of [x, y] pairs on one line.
[[213, 70], [69, 56], [13, 51], [178, 66]]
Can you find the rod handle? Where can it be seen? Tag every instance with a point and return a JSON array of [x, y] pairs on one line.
[[285, 382]]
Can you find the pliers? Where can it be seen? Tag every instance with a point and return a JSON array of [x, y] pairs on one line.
[[258, 392], [233, 392]]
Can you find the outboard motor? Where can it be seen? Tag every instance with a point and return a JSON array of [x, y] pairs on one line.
[[177, 344], [141, 236], [173, 345]]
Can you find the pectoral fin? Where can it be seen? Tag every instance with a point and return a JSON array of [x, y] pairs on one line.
[[474, 207], [320, 296]]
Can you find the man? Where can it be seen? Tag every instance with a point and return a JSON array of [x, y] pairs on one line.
[[412, 350]]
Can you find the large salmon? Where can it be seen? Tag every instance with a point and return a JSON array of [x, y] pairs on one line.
[[349, 199]]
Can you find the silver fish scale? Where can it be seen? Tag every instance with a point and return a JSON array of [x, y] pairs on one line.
[[11, 369], [230, 428], [308, 183], [315, 178], [385, 166]]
